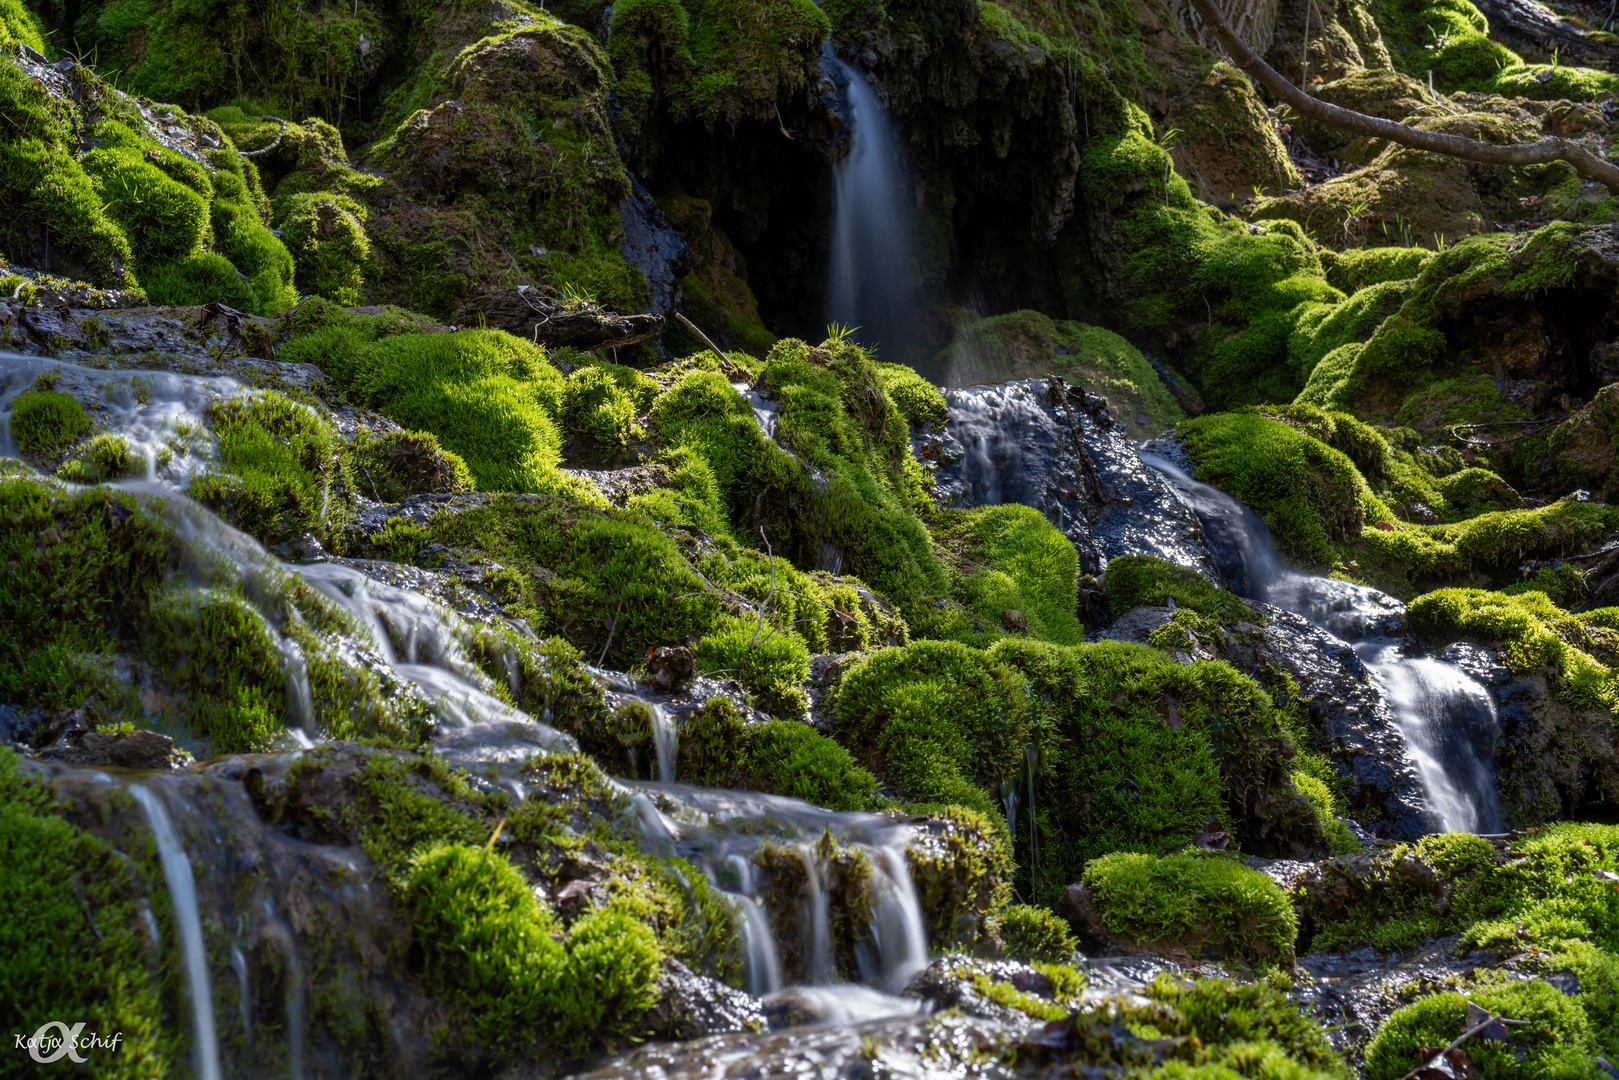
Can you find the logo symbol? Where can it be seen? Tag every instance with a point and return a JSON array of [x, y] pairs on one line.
[[67, 1045]]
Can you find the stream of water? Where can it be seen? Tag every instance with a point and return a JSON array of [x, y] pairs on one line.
[[870, 277], [1434, 703]]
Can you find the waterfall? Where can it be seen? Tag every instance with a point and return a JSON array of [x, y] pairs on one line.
[[666, 740], [1424, 695], [870, 278], [718, 831], [817, 918], [183, 893]]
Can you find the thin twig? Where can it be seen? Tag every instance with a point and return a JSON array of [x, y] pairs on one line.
[[769, 596], [610, 632], [1463, 1037]]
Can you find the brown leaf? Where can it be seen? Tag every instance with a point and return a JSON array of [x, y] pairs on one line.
[[1170, 712]]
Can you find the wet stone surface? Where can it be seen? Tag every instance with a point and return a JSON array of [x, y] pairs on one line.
[[1043, 444]]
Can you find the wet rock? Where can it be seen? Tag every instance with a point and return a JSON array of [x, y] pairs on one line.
[[126, 750], [1013, 622], [957, 982], [692, 1006], [28, 725], [1045, 444], [532, 315], [902, 1048], [670, 667]]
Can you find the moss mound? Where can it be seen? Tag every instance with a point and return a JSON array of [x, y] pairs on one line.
[[1192, 901], [44, 422]]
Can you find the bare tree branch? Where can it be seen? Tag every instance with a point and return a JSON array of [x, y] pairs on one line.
[[1585, 163]]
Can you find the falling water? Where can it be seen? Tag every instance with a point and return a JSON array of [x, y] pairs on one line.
[[720, 833], [817, 922], [183, 893], [666, 740], [1434, 704], [872, 269]]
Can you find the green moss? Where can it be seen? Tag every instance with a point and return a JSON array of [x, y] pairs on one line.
[[75, 943], [200, 279], [961, 865], [1036, 934], [1141, 580], [45, 422], [1012, 558], [278, 468], [1245, 1028], [1353, 270], [1191, 901], [488, 944], [218, 648], [326, 236], [1534, 633], [104, 457], [18, 24], [712, 59], [396, 464], [597, 412], [488, 397], [939, 721], [1555, 1040], [1139, 753], [1327, 810], [1184, 270], [918, 400], [718, 748]]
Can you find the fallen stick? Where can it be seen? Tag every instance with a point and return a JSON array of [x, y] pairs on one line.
[[1584, 162]]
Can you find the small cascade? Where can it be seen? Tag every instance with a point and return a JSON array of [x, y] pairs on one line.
[[816, 918], [666, 740], [871, 274], [766, 411], [183, 894], [1429, 699], [727, 833], [901, 941]]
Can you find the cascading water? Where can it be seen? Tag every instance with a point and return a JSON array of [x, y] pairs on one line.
[[421, 645], [183, 893], [1434, 704], [720, 832], [871, 274]]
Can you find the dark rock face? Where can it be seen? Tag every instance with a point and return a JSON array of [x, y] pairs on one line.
[[652, 246], [1045, 444], [1350, 722]]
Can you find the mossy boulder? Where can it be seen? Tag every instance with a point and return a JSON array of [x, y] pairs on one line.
[[1184, 904]]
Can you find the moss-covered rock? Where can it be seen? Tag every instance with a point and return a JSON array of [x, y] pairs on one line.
[[1186, 903]]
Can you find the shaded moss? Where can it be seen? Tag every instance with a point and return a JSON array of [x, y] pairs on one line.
[[75, 942], [1141, 580], [718, 748]]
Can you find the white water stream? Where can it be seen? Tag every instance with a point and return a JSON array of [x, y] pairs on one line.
[[1431, 700]]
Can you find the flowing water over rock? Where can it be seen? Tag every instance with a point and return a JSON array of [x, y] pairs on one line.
[[872, 268], [1435, 704], [1047, 445]]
